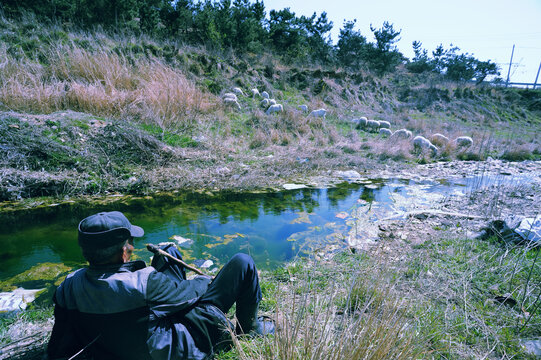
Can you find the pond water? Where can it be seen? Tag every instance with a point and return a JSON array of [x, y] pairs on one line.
[[272, 227]]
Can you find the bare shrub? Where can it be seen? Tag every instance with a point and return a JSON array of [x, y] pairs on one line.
[[104, 83]]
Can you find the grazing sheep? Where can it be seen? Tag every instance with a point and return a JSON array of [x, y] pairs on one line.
[[303, 108], [439, 139], [372, 124], [265, 95], [229, 95], [232, 102], [402, 133], [255, 93], [264, 103], [384, 124], [385, 132], [272, 102], [362, 122], [359, 123], [422, 143], [318, 113], [275, 108], [464, 141], [238, 91]]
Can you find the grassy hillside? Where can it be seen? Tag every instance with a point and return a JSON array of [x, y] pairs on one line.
[[88, 113]]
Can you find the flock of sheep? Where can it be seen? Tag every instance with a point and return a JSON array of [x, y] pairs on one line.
[[271, 106], [420, 143]]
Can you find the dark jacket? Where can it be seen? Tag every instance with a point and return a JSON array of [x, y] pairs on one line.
[[134, 312]]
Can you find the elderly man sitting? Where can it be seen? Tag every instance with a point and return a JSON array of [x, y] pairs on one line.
[[122, 309]]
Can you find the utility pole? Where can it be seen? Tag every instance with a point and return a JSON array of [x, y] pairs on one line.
[[536, 77], [510, 63]]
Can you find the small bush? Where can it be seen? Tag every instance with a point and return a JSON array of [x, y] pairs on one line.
[[519, 154]]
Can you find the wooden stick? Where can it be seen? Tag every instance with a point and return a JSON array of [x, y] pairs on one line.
[[156, 250]]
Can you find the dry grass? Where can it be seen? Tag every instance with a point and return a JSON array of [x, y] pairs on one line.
[[362, 320], [103, 83]]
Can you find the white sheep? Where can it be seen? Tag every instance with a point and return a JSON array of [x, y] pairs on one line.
[[255, 92], [232, 102], [229, 95], [372, 124], [384, 124], [275, 108], [318, 113], [264, 103], [265, 95], [439, 139], [402, 133], [422, 143], [464, 141], [361, 122], [238, 91], [385, 132], [303, 108], [272, 102]]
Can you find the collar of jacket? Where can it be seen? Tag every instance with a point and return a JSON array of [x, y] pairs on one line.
[[129, 266]]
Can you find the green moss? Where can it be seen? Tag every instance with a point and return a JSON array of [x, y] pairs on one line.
[[41, 275]]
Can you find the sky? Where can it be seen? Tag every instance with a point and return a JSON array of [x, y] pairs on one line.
[[487, 29]]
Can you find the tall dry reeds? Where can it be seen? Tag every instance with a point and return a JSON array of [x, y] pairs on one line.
[[368, 322], [104, 83]]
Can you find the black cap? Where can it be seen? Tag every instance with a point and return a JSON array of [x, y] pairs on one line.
[[106, 229]]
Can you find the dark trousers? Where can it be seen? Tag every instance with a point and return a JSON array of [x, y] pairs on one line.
[[237, 282]]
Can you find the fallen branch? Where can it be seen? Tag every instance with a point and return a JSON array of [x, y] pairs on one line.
[[27, 348]]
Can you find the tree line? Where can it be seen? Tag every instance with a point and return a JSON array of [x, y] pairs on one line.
[[243, 25]]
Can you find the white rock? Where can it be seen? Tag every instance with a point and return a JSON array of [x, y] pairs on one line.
[[293, 186], [17, 299], [348, 175], [182, 241]]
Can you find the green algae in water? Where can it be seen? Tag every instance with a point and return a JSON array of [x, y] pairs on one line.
[[271, 227], [46, 276]]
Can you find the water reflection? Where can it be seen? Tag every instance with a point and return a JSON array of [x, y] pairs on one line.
[[219, 225], [272, 227]]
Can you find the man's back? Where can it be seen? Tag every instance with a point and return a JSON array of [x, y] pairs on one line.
[[113, 306]]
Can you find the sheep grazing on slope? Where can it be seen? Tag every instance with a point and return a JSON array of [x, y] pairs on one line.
[[421, 143], [464, 141], [230, 95], [264, 103], [359, 123], [372, 124], [362, 122], [265, 95], [303, 108], [272, 102], [385, 132], [255, 93], [232, 102], [384, 124], [439, 139], [238, 91], [275, 108], [318, 113], [402, 134]]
